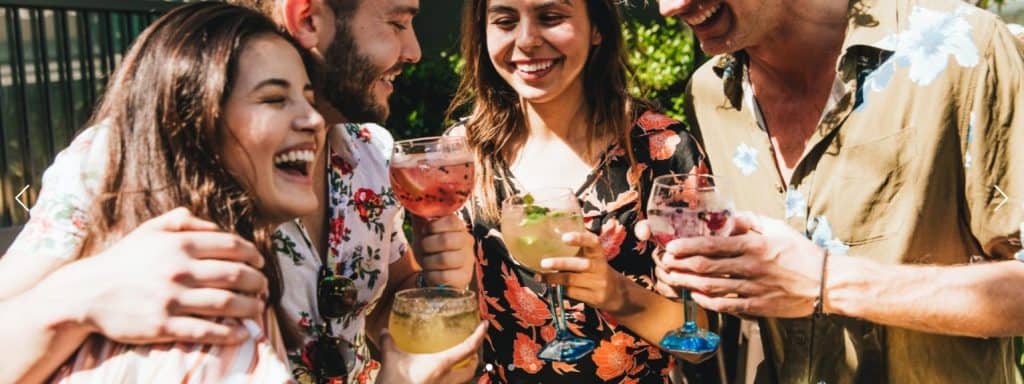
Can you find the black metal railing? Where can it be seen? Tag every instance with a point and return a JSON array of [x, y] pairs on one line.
[[55, 59]]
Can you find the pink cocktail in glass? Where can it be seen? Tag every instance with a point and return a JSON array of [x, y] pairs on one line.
[[432, 177]]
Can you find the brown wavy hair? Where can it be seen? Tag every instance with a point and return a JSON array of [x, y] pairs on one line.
[[496, 125], [164, 111]]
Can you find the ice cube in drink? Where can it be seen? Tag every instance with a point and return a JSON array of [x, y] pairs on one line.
[[669, 222]]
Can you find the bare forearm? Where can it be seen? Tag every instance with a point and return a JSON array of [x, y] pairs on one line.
[[971, 300], [650, 316], [37, 337]]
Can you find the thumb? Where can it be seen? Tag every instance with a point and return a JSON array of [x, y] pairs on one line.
[[465, 349], [178, 220], [387, 343], [642, 230], [746, 222]]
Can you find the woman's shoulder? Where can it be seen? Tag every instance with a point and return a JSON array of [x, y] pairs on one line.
[[658, 138], [651, 121]]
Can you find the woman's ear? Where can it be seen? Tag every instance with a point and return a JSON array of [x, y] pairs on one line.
[[595, 36], [298, 18]]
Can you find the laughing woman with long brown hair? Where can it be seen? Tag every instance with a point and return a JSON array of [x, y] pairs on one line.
[[546, 86], [200, 142]]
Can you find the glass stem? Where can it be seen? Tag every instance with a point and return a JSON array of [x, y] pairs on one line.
[[689, 310], [557, 311]]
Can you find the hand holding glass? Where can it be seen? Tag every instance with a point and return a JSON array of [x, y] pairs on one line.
[[688, 206], [532, 227]]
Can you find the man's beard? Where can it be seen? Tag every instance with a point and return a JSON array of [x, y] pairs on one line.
[[349, 79]]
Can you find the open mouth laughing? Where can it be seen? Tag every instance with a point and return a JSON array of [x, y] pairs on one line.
[[296, 162]]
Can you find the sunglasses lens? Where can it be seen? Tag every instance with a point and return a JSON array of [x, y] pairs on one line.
[[337, 296]]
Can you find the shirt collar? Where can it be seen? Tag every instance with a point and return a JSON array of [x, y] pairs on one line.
[[870, 22]]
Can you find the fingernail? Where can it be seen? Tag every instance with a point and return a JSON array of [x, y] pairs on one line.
[[568, 237], [546, 263]]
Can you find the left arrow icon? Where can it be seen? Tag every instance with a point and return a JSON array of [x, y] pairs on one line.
[[18, 198]]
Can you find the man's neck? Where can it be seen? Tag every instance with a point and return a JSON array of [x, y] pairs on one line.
[[332, 116], [803, 51]]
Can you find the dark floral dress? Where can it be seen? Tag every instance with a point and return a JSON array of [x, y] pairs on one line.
[[514, 303]]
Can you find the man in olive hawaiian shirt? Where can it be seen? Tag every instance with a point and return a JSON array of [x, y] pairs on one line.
[[881, 144]]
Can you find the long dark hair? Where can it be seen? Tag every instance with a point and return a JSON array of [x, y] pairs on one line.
[[164, 112], [497, 127]]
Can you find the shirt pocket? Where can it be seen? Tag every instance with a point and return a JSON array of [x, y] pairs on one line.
[[868, 188]]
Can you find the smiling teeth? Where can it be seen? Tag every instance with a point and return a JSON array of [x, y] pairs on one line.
[[703, 16], [305, 156], [536, 67], [390, 78]]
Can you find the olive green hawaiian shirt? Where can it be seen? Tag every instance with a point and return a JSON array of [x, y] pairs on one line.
[[918, 159]]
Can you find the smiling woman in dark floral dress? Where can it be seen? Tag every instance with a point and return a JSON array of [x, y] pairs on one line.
[[546, 89]]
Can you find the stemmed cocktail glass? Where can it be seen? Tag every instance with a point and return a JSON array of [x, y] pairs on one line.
[[688, 206], [532, 227]]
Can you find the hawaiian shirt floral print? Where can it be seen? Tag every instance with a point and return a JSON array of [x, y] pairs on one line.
[[515, 304], [918, 159], [361, 208], [364, 237]]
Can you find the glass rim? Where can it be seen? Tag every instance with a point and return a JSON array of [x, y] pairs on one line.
[[433, 300], [428, 139], [660, 181], [457, 294]]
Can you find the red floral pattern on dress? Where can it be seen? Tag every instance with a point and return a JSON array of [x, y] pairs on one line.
[[651, 121], [548, 333], [526, 354], [663, 144], [612, 236], [612, 358], [520, 319], [529, 309], [621, 200], [634, 174]]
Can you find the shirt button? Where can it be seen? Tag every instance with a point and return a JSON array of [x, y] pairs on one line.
[[779, 188]]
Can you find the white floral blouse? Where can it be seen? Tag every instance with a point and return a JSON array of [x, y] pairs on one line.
[[361, 207]]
